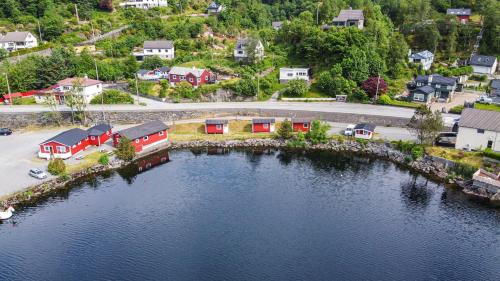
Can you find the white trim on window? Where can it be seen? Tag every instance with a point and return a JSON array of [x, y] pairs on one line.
[[61, 149], [136, 140], [47, 148], [145, 138], [160, 133], [265, 125], [218, 126], [306, 125]]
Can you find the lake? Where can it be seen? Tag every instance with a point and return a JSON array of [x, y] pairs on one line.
[[254, 215]]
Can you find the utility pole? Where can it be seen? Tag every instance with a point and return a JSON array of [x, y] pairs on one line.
[[8, 88], [102, 94], [317, 14], [136, 88], [93, 31], [39, 32], [76, 12], [378, 83]]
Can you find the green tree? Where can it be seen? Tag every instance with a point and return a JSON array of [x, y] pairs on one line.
[[355, 65], [104, 159], [3, 54], [426, 124], [184, 90], [245, 87], [56, 167], [333, 85], [296, 88], [152, 62], [398, 55], [113, 97], [125, 150], [52, 25], [285, 130], [318, 132]]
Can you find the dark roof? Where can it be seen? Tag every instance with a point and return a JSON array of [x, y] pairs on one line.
[[482, 60], [426, 89], [458, 12], [142, 130], [495, 83], [69, 137], [437, 79], [142, 71], [277, 24], [159, 44], [164, 69], [346, 15], [216, 121], [302, 120], [263, 120], [480, 119], [17, 36], [365, 126], [98, 129]]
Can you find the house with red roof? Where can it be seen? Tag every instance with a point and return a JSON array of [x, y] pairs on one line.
[[143, 136], [194, 76], [88, 89]]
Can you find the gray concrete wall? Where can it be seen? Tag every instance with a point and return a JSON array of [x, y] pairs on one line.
[[22, 120]]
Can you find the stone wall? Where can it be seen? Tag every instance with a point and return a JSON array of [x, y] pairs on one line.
[[21, 120]]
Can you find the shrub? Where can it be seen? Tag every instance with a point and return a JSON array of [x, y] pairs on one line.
[[457, 109], [488, 152], [384, 99], [417, 152], [125, 150], [374, 85], [113, 97], [299, 141], [56, 167], [285, 130], [104, 159], [363, 142], [464, 170], [318, 132], [296, 88]]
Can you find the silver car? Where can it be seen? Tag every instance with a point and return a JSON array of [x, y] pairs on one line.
[[37, 173]]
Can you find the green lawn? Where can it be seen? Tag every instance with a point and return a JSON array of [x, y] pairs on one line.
[[492, 107]]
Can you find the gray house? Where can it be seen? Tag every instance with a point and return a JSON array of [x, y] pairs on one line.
[[495, 88], [425, 88], [348, 18]]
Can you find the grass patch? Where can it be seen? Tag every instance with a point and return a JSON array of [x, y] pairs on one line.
[[238, 130], [491, 107], [474, 159], [87, 162]]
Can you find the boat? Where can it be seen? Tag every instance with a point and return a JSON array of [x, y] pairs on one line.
[[7, 214]]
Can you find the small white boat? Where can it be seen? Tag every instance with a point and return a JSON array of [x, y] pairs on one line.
[[7, 214]]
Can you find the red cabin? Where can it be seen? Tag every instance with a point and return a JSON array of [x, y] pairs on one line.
[[263, 125], [301, 124], [144, 136], [99, 134], [64, 145], [215, 126], [195, 76]]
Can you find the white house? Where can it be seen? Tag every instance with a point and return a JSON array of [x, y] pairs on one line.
[[425, 58], [144, 4], [479, 129], [364, 131], [13, 41], [153, 75], [163, 48], [89, 89], [287, 74], [241, 50], [483, 64], [215, 8]]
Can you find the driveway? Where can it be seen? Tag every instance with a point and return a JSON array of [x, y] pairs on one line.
[[458, 99]]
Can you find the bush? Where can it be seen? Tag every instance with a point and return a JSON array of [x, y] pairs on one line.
[[456, 109], [358, 95], [56, 167], [488, 152], [104, 159], [125, 150], [113, 97], [417, 152], [296, 88], [318, 132], [299, 141], [464, 170], [184, 90], [480, 78], [285, 130]]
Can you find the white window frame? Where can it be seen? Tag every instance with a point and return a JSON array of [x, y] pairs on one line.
[[174, 76], [160, 133], [306, 125], [145, 138], [265, 125], [218, 126], [47, 148], [92, 137], [136, 140], [61, 149], [416, 97]]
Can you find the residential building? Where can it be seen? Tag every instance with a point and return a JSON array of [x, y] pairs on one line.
[[443, 88], [424, 58], [18, 40], [143, 136], [276, 25], [483, 64], [214, 8], [144, 4], [288, 74], [301, 124], [347, 18], [495, 88], [216, 126], [88, 89], [195, 76], [99, 134], [164, 49], [364, 131], [463, 15], [478, 129], [263, 125], [242, 52], [153, 75]]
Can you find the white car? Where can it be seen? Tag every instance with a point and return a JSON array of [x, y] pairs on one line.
[[349, 131], [484, 99], [37, 173]]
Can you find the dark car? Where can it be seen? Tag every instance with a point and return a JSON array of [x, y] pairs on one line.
[[5, 131], [447, 139]]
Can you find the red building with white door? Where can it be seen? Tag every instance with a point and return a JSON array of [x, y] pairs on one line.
[[263, 125], [301, 124], [144, 136], [99, 134], [216, 126]]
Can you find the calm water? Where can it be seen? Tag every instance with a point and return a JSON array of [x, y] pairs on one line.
[[254, 215]]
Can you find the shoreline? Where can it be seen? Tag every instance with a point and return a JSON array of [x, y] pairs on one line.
[[425, 166]]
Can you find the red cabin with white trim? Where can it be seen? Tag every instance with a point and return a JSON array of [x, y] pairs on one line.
[[64, 145], [144, 136], [99, 134], [301, 124], [216, 126], [364, 131], [263, 125]]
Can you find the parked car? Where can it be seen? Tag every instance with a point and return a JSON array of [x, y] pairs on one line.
[[447, 139], [37, 173], [484, 99], [79, 157], [349, 131], [5, 131]]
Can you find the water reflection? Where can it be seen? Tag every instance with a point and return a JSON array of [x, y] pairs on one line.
[[416, 193], [130, 172]]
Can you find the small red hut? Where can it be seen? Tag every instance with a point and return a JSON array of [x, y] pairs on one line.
[[301, 124], [263, 125], [216, 126]]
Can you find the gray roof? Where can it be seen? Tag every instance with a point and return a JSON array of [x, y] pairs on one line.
[[481, 60], [179, 70], [98, 129], [365, 126], [480, 119], [142, 71], [17, 36], [213, 5], [277, 24], [241, 43], [302, 120], [159, 44], [216, 121], [422, 55], [346, 15], [426, 89], [459, 12], [437, 79], [495, 83], [142, 130], [69, 137], [263, 120]]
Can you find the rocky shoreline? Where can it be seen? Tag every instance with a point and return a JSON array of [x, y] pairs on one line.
[[425, 165]]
